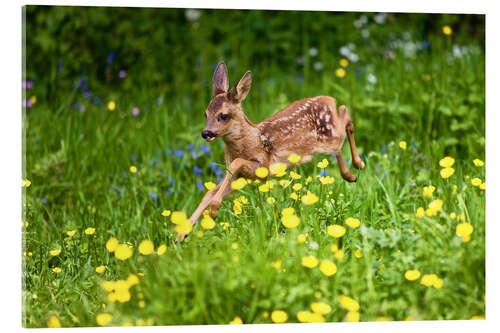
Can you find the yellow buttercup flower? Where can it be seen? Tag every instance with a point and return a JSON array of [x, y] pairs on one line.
[[210, 185], [294, 175], [304, 316], [447, 30], [464, 229], [166, 213], [297, 186], [133, 169], [301, 238], [482, 186], [339, 254], [184, 227], [348, 303], [55, 253], [276, 264], [178, 217], [264, 188], [321, 308], [343, 62], [237, 209], [278, 169], [434, 207], [323, 164], [71, 233], [123, 251], [402, 145], [287, 211], [334, 248], [447, 172], [412, 275], [294, 158], [428, 279], [103, 319], [326, 180], [336, 231], [53, 322], [207, 222], [100, 269], [476, 182], [161, 249], [309, 198], [238, 184], [340, 72], [290, 221], [328, 268], [477, 162], [57, 270], [279, 316], [270, 200], [146, 247], [111, 105], [352, 316], [358, 254], [353, 222], [294, 196], [420, 212], [89, 231], [111, 244], [309, 261], [382, 318], [428, 190], [236, 321], [447, 162], [477, 318], [262, 172]]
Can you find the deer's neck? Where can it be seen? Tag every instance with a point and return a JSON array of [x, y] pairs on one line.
[[243, 136]]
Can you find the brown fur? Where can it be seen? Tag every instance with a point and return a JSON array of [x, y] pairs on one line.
[[305, 127]]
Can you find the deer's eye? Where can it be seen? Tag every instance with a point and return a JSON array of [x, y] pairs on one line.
[[223, 117]]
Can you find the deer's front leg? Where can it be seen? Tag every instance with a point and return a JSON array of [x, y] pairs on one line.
[[225, 186]]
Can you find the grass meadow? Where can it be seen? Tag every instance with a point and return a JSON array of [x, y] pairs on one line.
[[113, 153]]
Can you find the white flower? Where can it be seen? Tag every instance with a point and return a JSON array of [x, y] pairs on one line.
[[313, 51], [300, 61], [313, 245], [371, 78], [192, 14], [380, 18], [353, 57], [365, 33], [344, 50], [318, 66]]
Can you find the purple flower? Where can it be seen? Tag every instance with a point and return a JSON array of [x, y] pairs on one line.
[[28, 103], [27, 84], [135, 111], [122, 73], [111, 57]]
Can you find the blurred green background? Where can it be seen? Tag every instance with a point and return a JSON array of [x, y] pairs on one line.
[[169, 56]]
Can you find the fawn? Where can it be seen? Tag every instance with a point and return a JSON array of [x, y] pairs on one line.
[[305, 127]]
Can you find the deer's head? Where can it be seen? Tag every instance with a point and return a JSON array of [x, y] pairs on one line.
[[224, 110]]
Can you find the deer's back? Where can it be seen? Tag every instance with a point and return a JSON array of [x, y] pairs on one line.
[[305, 127]]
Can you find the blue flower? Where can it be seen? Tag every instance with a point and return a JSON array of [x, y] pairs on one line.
[[358, 72], [200, 185], [362, 156], [132, 157], [111, 57], [44, 200], [152, 195], [213, 166], [323, 172], [143, 229], [205, 149], [425, 43], [191, 147], [97, 101], [179, 153], [405, 174], [219, 172], [383, 149], [197, 170], [171, 181], [299, 78], [169, 192]]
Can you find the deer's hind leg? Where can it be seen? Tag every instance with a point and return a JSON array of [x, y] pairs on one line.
[[357, 162]]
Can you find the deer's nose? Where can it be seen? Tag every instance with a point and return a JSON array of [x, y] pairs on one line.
[[207, 134]]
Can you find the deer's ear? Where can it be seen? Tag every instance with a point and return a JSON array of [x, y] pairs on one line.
[[220, 80], [240, 91]]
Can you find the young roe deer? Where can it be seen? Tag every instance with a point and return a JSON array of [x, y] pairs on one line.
[[305, 127]]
